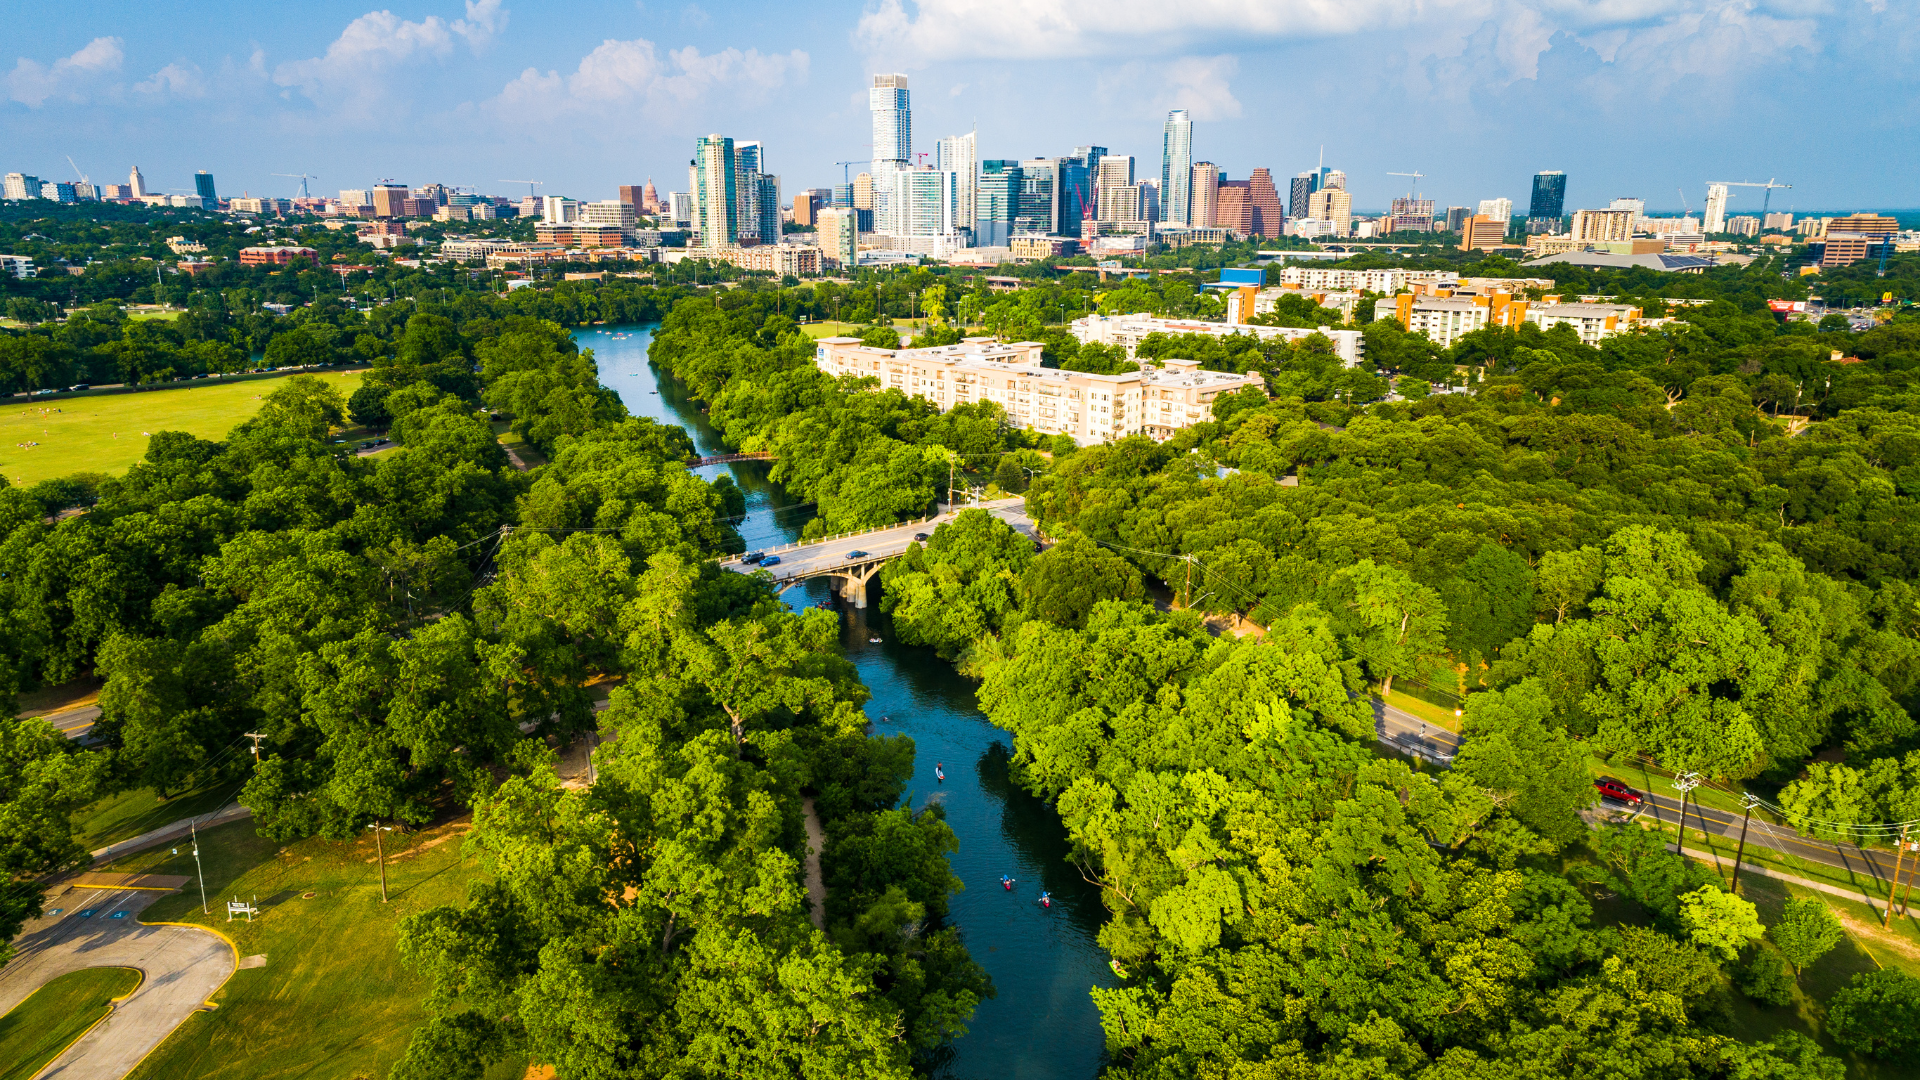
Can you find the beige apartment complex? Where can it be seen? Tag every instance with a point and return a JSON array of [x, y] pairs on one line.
[[1090, 408], [1128, 331]]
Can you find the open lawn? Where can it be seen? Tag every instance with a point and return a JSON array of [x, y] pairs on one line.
[[49, 1021], [130, 813], [333, 999], [105, 433]]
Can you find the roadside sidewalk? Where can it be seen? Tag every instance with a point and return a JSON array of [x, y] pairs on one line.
[[167, 833]]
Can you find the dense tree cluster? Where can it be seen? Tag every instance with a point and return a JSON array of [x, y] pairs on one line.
[[409, 631]]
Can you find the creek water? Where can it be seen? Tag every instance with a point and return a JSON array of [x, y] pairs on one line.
[[1042, 1024]]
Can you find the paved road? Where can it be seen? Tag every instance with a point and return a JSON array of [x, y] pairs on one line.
[[74, 723], [1400, 730], [825, 556], [86, 928]]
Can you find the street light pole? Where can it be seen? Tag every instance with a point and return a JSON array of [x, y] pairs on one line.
[[381, 851], [1686, 782]]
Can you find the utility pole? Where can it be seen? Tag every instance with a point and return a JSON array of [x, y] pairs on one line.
[[1751, 800], [1899, 852], [256, 745], [381, 851], [1686, 782], [194, 828]]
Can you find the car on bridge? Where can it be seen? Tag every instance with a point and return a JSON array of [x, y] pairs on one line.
[[771, 560], [753, 557], [919, 536], [856, 553]]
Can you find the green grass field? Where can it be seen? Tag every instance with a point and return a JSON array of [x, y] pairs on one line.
[[49, 1021], [129, 813], [103, 433], [333, 999]]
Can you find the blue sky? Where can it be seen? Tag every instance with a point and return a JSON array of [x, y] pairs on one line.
[[1628, 97]]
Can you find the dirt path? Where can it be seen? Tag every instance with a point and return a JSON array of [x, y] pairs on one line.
[[816, 842], [514, 457]]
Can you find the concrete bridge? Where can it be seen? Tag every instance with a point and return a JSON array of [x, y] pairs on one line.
[[834, 556]]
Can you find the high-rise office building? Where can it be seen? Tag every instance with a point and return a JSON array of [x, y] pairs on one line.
[[1232, 204], [804, 207], [22, 186], [716, 205], [839, 235], [1114, 175], [1150, 200], [996, 201], [1500, 210], [137, 182], [1334, 205], [1332, 178], [557, 209], [1269, 217], [389, 200], [203, 187], [863, 191], [1298, 191], [958, 154], [1204, 190], [892, 122], [679, 207], [631, 194], [1038, 210], [1457, 217], [924, 204], [1548, 203], [1078, 184], [746, 188], [1716, 220], [1176, 169]]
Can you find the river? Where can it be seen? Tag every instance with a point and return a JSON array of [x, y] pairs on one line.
[[1042, 1025]]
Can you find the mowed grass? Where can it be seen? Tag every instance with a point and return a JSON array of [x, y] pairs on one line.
[[333, 1000], [49, 1021], [104, 433], [127, 814]]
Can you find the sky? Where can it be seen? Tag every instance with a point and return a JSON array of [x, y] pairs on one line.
[[1642, 98]]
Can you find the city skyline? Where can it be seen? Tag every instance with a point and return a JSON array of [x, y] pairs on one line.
[[472, 94]]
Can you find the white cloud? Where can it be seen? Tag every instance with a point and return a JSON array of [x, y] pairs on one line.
[[1198, 84], [31, 83], [638, 73], [178, 80], [917, 31], [376, 42]]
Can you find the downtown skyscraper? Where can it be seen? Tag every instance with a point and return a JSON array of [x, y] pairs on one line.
[[1176, 169], [892, 123]]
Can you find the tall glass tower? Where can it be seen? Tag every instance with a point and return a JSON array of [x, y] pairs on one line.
[[716, 207], [1176, 169], [203, 187], [1549, 202], [892, 122]]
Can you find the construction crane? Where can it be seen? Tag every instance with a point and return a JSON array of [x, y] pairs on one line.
[[1417, 177], [531, 184], [302, 177], [846, 173], [1770, 185], [84, 178]]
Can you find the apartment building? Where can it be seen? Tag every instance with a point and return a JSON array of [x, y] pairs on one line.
[[1320, 279], [782, 259], [1089, 408], [274, 256], [1344, 301], [1593, 322], [1603, 225], [1445, 316], [578, 234], [1128, 331]]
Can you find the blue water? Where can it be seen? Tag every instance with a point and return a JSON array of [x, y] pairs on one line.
[[1042, 1025]]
